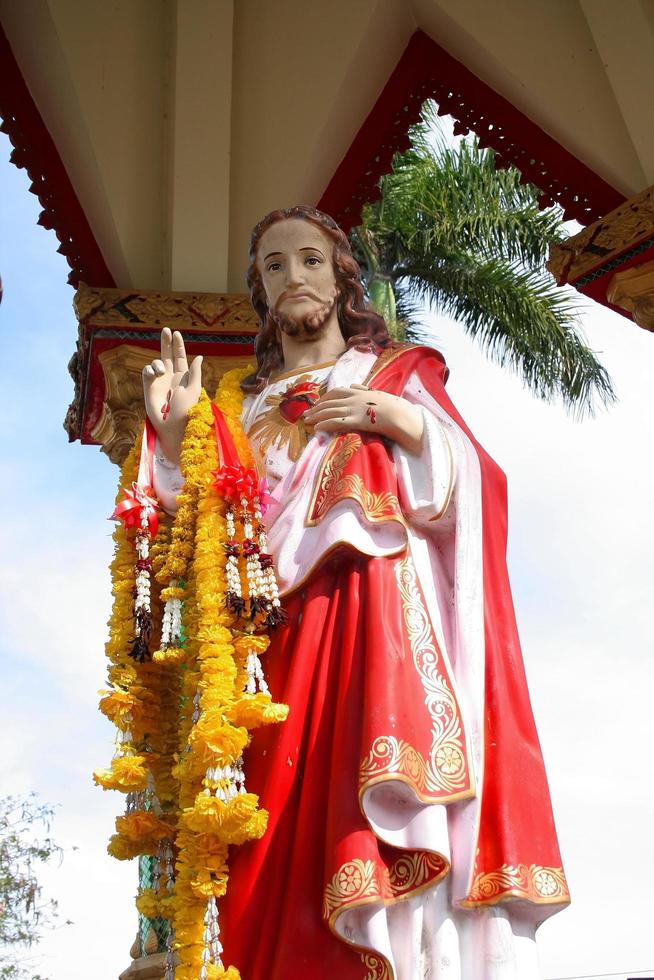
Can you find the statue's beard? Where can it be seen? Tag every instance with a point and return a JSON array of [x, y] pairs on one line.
[[307, 327]]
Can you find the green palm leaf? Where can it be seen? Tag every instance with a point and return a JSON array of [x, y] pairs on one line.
[[452, 232]]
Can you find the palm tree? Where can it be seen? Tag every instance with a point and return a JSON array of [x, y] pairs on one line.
[[454, 233]]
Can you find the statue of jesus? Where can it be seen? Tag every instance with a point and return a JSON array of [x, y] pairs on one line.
[[410, 830]]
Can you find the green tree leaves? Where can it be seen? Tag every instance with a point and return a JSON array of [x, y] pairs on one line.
[[454, 233], [25, 843]]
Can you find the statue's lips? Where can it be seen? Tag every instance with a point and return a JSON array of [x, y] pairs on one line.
[[297, 400], [296, 297]]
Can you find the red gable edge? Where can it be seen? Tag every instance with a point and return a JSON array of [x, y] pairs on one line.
[[35, 151], [427, 71]]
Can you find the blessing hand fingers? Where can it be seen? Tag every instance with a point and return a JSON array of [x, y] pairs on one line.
[[152, 371]]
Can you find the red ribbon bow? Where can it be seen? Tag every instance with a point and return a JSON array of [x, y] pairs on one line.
[[138, 499], [236, 481]]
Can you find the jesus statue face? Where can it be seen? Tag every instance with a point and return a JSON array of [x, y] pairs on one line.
[[295, 263]]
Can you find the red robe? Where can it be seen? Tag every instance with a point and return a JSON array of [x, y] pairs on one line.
[[376, 704]]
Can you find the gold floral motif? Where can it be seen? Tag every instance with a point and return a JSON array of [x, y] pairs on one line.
[[446, 769], [353, 881], [375, 506], [393, 755], [413, 869], [359, 881], [202, 312], [376, 966], [336, 458], [273, 428], [332, 487], [533, 883]]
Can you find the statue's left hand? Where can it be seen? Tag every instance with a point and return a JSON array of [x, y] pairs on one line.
[[358, 409]]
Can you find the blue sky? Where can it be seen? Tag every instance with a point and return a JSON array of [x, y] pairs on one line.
[[581, 539]]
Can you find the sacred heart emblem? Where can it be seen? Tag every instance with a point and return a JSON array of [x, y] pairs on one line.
[[282, 423], [298, 399]]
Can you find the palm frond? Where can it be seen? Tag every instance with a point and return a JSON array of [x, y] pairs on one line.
[[521, 320], [452, 231]]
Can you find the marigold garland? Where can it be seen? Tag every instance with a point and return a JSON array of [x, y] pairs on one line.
[[184, 716]]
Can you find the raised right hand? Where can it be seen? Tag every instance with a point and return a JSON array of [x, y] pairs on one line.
[[170, 389]]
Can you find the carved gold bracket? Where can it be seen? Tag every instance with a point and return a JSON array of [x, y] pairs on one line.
[[612, 260], [633, 290], [119, 334], [122, 409], [603, 242]]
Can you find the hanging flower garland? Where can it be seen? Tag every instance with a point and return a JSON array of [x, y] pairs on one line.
[[128, 771], [216, 809], [192, 604], [141, 702]]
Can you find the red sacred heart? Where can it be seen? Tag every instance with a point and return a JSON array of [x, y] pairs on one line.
[[298, 399]]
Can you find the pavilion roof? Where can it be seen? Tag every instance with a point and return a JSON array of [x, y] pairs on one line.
[[157, 133]]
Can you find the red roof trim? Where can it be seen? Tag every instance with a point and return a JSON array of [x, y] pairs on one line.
[[35, 151], [427, 71]]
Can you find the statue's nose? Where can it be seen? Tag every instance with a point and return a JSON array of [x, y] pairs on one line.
[[294, 273]]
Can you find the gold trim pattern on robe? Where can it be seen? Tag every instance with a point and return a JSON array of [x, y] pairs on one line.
[[359, 882], [387, 356], [446, 772], [376, 966], [534, 883], [331, 487]]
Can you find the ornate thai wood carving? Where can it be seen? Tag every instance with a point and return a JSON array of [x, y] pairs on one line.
[[633, 290], [628, 227]]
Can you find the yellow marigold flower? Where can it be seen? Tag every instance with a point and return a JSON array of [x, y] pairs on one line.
[[141, 825], [205, 884], [255, 642], [170, 656], [234, 822], [172, 592], [220, 973], [147, 903], [254, 710], [117, 704], [215, 737], [128, 773], [124, 850]]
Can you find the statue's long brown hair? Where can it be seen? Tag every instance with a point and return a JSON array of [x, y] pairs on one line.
[[360, 326]]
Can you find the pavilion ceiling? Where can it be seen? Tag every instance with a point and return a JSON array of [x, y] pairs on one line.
[[180, 123]]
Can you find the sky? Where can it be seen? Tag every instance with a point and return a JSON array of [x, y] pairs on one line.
[[581, 537]]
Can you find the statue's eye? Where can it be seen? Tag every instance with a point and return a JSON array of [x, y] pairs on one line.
[[273, 267], [312, 260]]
